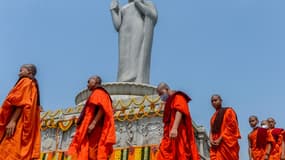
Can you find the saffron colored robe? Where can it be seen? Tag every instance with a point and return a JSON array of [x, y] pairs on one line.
[[98, 145], [183, 147], [276, 148], [258, 144], [229, 146], [25, 143]]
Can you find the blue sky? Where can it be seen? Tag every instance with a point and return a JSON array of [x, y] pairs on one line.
[[234, 48]]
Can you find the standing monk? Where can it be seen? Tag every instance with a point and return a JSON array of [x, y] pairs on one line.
[[277, 150], [264, 124], [178, 140], [224, 132], [20, 118], [95, 134], [259, 141]]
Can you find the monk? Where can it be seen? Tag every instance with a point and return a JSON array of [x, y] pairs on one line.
[[178, 140], [95, 134], [264, 124], [20, 118], [259, 141], [277, 150], [224, 132]]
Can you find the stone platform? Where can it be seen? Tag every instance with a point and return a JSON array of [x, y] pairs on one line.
[[138, 115]]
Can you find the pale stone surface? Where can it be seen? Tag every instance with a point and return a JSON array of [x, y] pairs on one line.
[[120, 90], [140, 132], [135, 23]]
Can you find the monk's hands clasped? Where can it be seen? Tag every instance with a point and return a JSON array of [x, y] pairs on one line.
[[173, 133], [212, 142], [216, 142], [10, 128]]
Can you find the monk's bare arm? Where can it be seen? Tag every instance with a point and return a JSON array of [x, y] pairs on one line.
[[178, 116], [97, 118], [16, 114], [267, 151], [10, 128], [177, 120]]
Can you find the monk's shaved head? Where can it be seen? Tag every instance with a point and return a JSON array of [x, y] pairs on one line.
[[94, 82], [163, 90], [264, 123], [271, 122], [253, 121], [216, 95], [97, 78], [31, 68], [270, 119], [162, 86], [253, 117], [216, 101]]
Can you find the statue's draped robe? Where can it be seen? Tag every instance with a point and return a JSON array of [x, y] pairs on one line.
[[135, 41]]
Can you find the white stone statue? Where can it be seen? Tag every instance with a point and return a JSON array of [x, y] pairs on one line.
[[135, 23]]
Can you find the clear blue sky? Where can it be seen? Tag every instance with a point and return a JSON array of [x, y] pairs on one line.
[[231, 47]]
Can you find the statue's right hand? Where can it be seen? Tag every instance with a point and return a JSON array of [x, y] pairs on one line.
[[114, 4]]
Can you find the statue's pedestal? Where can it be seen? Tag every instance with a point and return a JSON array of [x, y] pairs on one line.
[[120, 90], [138, 115]]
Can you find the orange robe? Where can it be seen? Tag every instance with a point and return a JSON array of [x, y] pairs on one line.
[[276, 148], [97, 145], [25, 143], [258, 149], [229, 146], [183, 147]]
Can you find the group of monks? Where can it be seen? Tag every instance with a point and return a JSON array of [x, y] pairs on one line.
[[95, 133], [265, 142]]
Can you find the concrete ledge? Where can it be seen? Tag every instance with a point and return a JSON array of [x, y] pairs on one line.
[[120, 88]]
